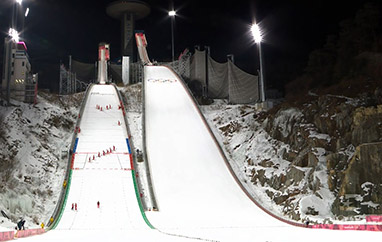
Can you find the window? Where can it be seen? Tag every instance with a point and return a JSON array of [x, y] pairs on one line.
[[23, 63]]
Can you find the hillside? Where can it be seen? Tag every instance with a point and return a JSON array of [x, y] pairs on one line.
[[34, 141]]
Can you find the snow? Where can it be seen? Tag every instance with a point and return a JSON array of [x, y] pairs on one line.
[[196, 193], [197, 196], [106, 179], [32, 139]]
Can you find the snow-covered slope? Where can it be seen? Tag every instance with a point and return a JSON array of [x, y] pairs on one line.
[[101, 172], [195, 191], [34, 139]]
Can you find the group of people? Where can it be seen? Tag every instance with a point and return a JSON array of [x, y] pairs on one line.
[[108, 151], [74, 206], [100, 107]]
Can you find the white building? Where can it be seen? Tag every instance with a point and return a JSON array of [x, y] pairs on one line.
[[22, 83]]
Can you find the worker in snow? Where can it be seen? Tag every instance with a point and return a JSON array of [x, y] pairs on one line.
[[20, 224], [75, 206], [72, 206], [97, 204]]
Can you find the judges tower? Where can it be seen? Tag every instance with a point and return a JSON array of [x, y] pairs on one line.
[[127, 11]]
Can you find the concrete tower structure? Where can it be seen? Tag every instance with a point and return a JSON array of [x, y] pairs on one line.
[[127, 11]]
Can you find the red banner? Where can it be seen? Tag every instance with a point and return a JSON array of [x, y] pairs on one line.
[[374, 218], [8, 235], [368, 227], [28, 232]]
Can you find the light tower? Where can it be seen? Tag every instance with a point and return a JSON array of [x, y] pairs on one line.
[[127, 11]]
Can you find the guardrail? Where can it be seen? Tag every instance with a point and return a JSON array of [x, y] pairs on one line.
[[57, 213], [151, 194]]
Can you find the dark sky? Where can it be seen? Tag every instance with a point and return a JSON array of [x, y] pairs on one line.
[[56, 28]]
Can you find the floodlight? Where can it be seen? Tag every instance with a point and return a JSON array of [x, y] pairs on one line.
[[14, 34], [256, 33]]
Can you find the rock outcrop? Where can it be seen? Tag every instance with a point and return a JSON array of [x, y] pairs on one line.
[[348, 133]]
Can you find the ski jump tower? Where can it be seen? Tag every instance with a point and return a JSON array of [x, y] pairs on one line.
[[103, 58], [127, 11]]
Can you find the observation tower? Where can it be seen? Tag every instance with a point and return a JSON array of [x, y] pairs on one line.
[[127, 11]]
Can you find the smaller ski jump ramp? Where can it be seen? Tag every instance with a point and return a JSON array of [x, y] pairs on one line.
[[196, 194], [193, 186]]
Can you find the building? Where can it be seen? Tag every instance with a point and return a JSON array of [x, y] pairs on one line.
[[18, 72]]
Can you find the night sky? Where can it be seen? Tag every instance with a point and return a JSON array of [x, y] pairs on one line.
[[55, 29]]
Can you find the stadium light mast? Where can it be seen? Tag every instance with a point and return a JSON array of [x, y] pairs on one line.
[[172, 15], [257, 36]]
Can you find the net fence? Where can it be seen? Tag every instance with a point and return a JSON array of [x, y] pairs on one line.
[[224, 80]]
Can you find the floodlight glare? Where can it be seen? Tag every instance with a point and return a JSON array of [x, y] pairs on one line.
[[19, 1], [14, 35], [172, 13], [27, 12], [256, 33]]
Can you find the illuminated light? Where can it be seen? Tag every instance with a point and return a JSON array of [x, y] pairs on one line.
[[27, 12], [172, 13], [14, 35], [256, 33], [19, 1]]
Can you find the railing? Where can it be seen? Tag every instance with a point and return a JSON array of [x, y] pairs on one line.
[[144, 153]]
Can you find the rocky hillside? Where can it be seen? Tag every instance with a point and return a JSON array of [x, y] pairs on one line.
[[34, 139], [348, 134], [317, 161]]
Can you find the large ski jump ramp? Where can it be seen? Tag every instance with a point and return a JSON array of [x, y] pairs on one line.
[[196, 194], [107, 179]]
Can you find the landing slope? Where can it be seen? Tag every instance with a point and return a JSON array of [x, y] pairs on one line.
[[197, 195], [106, 178]]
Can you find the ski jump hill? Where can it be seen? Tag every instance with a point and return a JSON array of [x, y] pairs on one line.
[[198, 197]]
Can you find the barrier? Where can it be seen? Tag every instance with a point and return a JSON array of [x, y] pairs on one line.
[[28, 232], [8, 235], [75, 145], [137, 194], [128, 145], [374, 218], [368, 227]]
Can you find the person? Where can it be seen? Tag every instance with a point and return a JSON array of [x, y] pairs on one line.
[[72, 206], [20, 224], [42, 225], [75, 206], [97, 204]]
